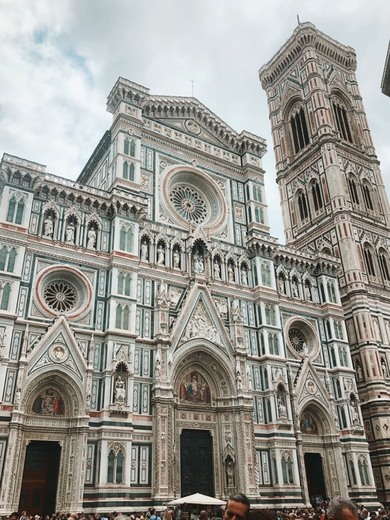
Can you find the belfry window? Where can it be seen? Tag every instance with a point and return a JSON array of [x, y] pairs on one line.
[[340, 115], [384, 265], [115, 466], [367, 197], [353, 191], [299, 130], [316, 196], [302, 206], [369, 261]]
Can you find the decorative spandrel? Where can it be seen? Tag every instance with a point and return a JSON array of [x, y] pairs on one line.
[[49, 403], [194, 389]]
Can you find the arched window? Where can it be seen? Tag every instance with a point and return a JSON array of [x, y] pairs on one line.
[[299, 130], [259, 215], [341, 118], [316, 196], [3, 257], [343, 357], [5, 297], [331, 292], [302, 206], [11, 261], [19, 212], [363, 471], [368, 257], [265, 274], [273, 342], [353, 190], [257, 193], [118, 317], [125, 239], [11, 210], [351, 472], [366, 189], [338, 330], [124, 284], [333, 357], [384, 264], [287, 468], [115, 466]]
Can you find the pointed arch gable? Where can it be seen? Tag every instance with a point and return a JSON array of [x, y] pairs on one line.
[[211, 363], [199, 297]]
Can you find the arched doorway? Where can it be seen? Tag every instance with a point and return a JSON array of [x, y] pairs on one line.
[[49, 433], [40, 477]]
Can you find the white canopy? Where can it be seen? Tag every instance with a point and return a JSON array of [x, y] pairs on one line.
[[197, 499]]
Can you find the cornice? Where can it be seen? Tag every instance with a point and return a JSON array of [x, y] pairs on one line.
[[173, 107], [306, 35]]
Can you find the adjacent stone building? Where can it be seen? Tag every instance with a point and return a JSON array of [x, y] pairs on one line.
[[156, 341]]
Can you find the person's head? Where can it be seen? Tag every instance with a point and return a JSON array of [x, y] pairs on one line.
[[203, 515], [14, 516], [342, 509], [237, 507]]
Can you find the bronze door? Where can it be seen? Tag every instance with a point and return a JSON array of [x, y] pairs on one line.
[[196, 462], [315, 478], [40, 477]]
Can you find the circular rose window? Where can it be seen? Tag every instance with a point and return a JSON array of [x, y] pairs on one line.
[[302, 337], [63, 290], [60, 296], [190, 197]]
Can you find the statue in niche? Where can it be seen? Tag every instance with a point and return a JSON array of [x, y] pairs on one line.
[[359, 371], [194, 389], [230, 272], [308, 295], [160, 255], [308, 424], [91, 239], [198, 263], [244, 275], [282, 409], [229, 466], [176, 258], [385, 372], [217, 270], [49, 403], [120, 390], [69, 233], [236, 311], [144, 250], [355, 411], [282, 285], [48, 226]]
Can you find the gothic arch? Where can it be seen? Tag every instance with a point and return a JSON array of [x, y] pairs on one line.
[[72, 393], [314, 418], [206, 358]]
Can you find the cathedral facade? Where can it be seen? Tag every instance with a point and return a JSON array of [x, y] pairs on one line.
[[157, 341]]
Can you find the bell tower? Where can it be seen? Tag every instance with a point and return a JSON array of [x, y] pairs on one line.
[[333, 200]]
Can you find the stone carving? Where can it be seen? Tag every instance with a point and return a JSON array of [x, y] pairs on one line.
[[120, 391], [200, 326]]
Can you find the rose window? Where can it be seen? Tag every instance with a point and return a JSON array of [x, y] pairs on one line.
[[189, 204], [297, 339], [61, 289], [191, 198], [60, 296]]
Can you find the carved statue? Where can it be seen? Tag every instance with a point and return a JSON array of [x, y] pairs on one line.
[[160, 255], [48, 226], [120, 390], [70, 231], [91, 239], [144, 250]]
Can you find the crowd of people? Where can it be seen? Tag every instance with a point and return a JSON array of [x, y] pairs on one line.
[[237, 508]]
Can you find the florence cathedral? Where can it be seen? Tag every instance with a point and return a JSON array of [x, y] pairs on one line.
[[157, 341]]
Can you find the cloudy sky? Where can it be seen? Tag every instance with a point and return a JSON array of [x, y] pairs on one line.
[[59, 60]]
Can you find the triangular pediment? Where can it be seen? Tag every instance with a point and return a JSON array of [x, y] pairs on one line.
[[200, 318], [310, 387], [57, 350]]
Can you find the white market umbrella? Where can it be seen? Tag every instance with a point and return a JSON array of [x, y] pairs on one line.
[[197, 499]]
